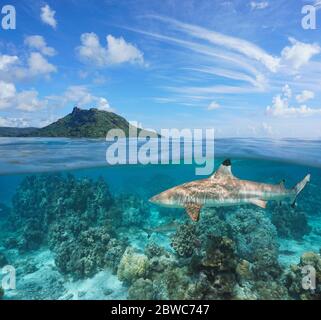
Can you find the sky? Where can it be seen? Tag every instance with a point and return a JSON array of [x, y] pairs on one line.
[[244, 68]]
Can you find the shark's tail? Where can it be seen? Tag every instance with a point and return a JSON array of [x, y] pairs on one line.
[[299, 187]]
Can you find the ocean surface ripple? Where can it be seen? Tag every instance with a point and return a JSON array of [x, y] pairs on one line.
[[24, 155]]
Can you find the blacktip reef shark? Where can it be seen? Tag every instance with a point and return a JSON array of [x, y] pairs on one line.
[[224, 189]]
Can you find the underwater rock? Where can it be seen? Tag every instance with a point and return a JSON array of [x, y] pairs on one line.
[[185, 240], [1, 293], [132, 266], [3, 260], [107, 292], [141, 289], [11, 242], [289, 222], [310, 261]]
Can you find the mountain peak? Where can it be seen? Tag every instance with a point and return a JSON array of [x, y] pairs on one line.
[[80, 123], [76, 109]]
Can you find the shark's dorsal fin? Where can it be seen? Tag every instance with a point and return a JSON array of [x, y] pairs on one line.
[[225, 170], [193, 210]]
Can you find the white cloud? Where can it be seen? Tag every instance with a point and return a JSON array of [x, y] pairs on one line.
[[48, 16], [117, 51], [103, 104], [281, 106], [213, 106], [259, 80], [13, 122], [33, 64], [38, 65], [82, 97], [304, 96], [287, 92], [299, 54], [6, 61], [26, 100], [39, 43], [259, 5], [27, 121], [7, 93], [246, 48]]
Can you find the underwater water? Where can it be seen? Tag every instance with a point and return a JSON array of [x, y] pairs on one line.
[[74, 228]]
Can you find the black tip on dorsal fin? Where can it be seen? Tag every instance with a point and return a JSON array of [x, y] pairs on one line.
[[227, 163]]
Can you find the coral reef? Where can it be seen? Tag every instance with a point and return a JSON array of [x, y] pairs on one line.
[[76, 218], [256, 240], [185, 240], [85, 254], [290, 222], [231, 253], [275, 290], [213, 222], [217, 265], [44, 199], [208, 274], [141, 289], [295, 276], [153, 250], [132, 266]]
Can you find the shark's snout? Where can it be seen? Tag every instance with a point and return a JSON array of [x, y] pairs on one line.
[[162, 199], [154, 200]]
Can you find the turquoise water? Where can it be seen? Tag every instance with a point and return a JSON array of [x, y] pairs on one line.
[[55, 217]]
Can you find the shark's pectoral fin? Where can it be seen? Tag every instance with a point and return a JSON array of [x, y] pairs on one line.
[[260, 203], [193, 210]]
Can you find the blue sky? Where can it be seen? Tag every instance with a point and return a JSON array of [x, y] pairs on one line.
[[246, 68]]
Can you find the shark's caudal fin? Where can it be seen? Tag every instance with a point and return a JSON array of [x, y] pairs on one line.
[[300, 186]]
